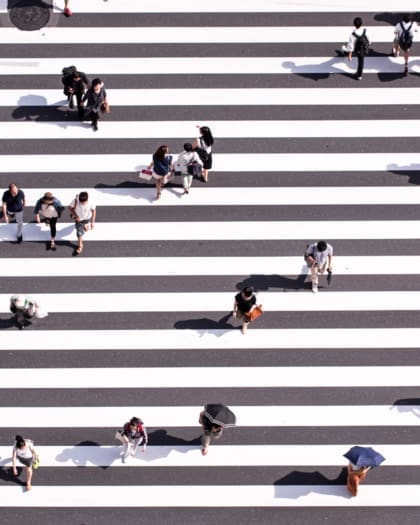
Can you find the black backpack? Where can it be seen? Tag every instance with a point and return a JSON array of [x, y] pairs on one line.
[[361, 46], [406, 39]]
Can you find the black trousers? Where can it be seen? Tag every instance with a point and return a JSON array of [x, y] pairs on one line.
[[360, 64], [53, 226]]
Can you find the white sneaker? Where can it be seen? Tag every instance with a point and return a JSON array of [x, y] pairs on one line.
[[314, 288]]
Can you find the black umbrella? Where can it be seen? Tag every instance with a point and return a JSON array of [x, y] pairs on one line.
[[364, 456], [220, 415]]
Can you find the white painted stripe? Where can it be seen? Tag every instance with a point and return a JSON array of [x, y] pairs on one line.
[[235, 6], [212, 377], [240, 196], [222, 129], [245, 162], [174, 266], [203, 65], [189, 35], [213, 496], [221, 301], [186, 339], [226, 97], [181, 416], [230, 230], [220, 456]]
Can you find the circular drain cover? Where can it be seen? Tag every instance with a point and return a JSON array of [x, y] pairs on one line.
[[30, 15]]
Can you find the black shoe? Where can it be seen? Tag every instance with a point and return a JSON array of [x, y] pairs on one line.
[[71, 103], [406, 71], [19, 239], [21, 326], [95, 126]]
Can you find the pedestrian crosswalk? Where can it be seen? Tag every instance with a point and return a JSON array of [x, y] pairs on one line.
[[138, 325]]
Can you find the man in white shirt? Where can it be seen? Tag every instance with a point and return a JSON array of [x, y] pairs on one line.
[[355, 46], [318, 256], [83, 212], [404, 35]]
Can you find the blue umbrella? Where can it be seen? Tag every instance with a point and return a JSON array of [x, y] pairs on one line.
[[364, 457]]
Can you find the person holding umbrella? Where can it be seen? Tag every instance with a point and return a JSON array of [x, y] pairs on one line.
[[361, 459], [214, 418]]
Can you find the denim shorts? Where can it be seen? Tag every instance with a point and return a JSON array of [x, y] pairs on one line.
[[80, 227]]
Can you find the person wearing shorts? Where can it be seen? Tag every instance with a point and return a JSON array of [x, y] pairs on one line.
[[406, 25], [83, 212], [24, 452]]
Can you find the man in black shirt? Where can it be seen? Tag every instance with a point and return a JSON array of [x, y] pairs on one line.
[[12, 207], [76, 84]]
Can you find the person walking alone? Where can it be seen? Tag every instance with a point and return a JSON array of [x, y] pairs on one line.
[[132, 435], [211, 431], [24, 452], [48, 209], [404, 35], [245, 302], [12, 208], [83, 212], [358, 44], [318, 257], [96, 101]]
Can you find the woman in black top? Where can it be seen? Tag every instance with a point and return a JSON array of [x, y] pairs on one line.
[[245, 302], [203, 145], [162, 165]]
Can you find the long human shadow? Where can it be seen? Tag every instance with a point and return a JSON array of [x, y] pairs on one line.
[[35, 108], [297, 483], [5, 324], [205, 324], [413, 175], [410, 404], [265, 282], [91, 453], [394, 18], [6, 473]]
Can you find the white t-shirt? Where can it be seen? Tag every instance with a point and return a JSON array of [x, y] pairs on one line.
[[398, 29], [25, 452], [83, 210], [320, 257], [185, 158], [48, 211]]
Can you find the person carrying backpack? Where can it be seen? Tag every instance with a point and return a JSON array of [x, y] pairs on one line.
[[189, 165], [404, 35], [75, 84], [358, 44]]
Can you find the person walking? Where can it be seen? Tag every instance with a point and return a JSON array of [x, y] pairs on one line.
[[12, 208], [245, 302], [83, 212], [132, 435], [24, 452], [358, 44], [185, 163], [318, 257], [96, 101], [355, 475], [25, 308], [203, 145], [67, 11], [404, 36], [48, 209], [211, 431], [75, 84], [162, 166]]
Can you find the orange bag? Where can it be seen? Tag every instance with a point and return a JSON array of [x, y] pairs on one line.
[[254, 314]]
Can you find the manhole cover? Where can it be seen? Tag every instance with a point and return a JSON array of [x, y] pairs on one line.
[[30, 15]]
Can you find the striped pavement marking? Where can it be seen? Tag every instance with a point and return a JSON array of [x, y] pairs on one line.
[[209, 496], [190, 35], [220, 456], [358, 339], [246, 416], [189, 266], [220, 301], [228, 230], [35, 130], [239, 196], [212, 377], [246, 162], [222, 96], [203, 65]]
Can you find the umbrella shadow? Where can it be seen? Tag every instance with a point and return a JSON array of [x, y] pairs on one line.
[[408, 405], [161, 437], [89, 452], [412, 174], [265, 282], [204, 324], [300, 483]]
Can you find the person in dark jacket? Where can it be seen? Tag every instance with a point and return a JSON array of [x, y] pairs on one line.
[[245, 302], [76, 85], [162, 166], [210, 431], [95, 99], [132, 435], [12, 207], [48, 209]]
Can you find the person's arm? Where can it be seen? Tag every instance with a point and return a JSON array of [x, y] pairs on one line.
[[329, 268], [14, 462], [145, 439], [310, 255], [72, 209], [200, 419], [93, 218], [197, 158], [235, 308], [4, 210]]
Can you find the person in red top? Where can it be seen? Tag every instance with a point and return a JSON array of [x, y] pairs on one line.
[[131, 436]]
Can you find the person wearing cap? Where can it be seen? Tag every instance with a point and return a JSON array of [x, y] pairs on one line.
[[24, 308], [184, 160], [48, 209], [318, 257], [12, 207], [83, 212]]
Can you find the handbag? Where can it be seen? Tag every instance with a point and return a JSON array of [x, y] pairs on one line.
[[35, 462], [146, 174], [254, 314], [105, 107]]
